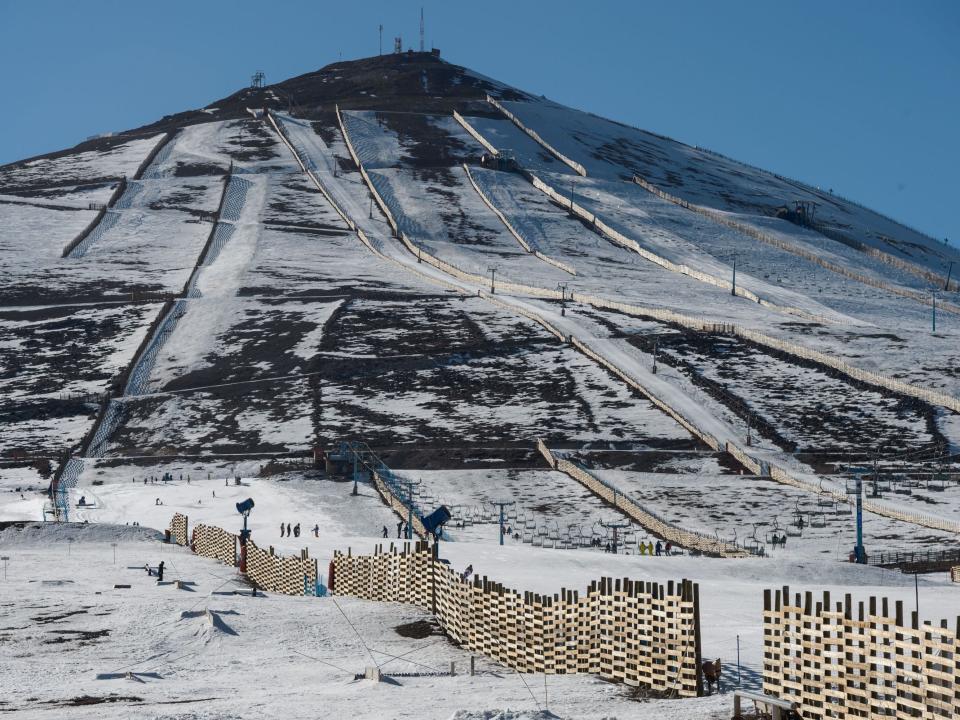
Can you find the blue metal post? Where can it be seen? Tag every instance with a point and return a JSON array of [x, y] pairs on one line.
[[355, 492], [859, 552], [501, 523], [409, 511], [934, 305]]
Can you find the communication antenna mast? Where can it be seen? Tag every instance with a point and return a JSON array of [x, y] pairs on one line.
[[381, 40], [421, 28], [398, 44], [256, 81]]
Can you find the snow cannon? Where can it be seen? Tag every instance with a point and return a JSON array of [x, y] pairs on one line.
[[244, 509], [433, 523]]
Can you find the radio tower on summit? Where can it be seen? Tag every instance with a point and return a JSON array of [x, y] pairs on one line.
[[421, 29]]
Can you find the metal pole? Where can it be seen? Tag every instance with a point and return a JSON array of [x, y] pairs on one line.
[[355, 492], [501, 523], [934, 306], [946, 285], [733, 289], [409, 511], [916, 592], [738, 662], [859, 554]]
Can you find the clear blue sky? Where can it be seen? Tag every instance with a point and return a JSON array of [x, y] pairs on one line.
[[859, 96]]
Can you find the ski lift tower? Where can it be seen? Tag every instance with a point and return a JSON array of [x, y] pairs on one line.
[[616, 527], [256, 80], [860, 556], [501, 504]]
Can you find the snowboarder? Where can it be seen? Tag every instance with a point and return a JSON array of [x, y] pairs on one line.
[[659, 549], [296, 530], [281, 529], [385, 533], [465, 575], [160, 572], [157, 502]]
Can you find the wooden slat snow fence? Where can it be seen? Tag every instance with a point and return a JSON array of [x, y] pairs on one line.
[[635, 632], [955, 573], [214, 542], [836, 662], [650, 521], [178, 529], [286, 574]]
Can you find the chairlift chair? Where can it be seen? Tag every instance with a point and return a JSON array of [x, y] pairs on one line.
[[753, 543]]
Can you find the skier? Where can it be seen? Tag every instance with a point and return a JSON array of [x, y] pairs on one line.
[[643, 548], [399, 528], [650, 548], [669, 548], [316, 530], [385, 533], [160, 572], [296, 530], [289, 534], [465, 575], [281, 529], [659, 549], [213, 491]]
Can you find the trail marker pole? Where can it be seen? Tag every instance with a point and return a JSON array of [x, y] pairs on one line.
[[114, 545], [5, 558], [493, 274], [946, 285], [733, 288]]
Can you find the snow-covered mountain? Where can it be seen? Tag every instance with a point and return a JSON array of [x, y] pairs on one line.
[[276, 328]]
